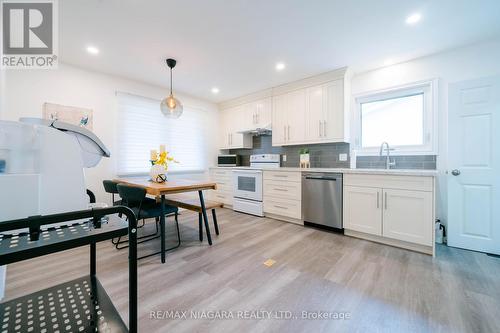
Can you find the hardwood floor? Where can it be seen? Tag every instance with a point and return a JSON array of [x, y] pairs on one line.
[[379, 288]]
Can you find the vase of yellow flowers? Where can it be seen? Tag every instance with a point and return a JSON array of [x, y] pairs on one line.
[[159, 164]]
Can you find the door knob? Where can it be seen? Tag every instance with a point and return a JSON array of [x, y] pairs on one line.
[[455, 172]]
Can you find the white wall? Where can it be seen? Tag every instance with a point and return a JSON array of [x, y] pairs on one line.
[[465, 63], [23, 93]]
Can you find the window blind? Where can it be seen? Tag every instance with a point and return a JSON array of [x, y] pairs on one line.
[[142, 127]]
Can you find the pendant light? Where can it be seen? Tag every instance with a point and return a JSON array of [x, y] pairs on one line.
[[170, 106]]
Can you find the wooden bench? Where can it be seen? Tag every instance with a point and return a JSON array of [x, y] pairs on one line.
[[193, 204]]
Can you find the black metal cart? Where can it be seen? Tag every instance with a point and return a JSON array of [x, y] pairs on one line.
[[81, 305]]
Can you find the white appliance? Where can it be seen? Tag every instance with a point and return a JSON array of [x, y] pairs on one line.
[[247, 184], [42, 172], [265, 161]]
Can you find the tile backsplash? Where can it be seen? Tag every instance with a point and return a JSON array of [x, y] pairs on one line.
[[327, 156], [322, 155]]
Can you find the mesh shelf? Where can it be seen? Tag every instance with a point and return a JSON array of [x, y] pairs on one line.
[[16, 247], [81, 305]]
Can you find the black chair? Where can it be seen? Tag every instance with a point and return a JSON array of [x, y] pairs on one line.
[[111, 187], [144, 208]]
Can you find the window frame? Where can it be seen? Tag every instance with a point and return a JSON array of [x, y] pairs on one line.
[[429, 89], [124, 99]]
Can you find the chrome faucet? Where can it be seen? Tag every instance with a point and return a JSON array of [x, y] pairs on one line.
[[388, 162]]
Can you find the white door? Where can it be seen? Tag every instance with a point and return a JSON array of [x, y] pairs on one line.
[[474, 165], [314, 113], [363, 209], [279, 123], [408, 216], [296, 111]]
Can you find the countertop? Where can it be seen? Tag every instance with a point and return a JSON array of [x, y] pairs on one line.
[[398, 172]]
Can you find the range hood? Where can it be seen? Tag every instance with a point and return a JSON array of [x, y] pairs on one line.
[[257, 131]]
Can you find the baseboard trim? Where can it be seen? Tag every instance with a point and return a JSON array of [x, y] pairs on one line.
[[391, 242], [284, 218]]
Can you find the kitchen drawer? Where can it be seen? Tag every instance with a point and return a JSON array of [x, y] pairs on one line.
[[291, 176], [224, 185], [283, 207], [224, 197], [282, 189], [417, 183], [220, 173]]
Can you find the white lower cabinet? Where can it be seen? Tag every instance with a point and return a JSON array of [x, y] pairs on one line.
[[400, 216], [224, 191], [282, 195], [408, 216], [362, 211]]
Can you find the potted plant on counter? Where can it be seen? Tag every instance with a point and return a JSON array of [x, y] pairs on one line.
[[304, 158]]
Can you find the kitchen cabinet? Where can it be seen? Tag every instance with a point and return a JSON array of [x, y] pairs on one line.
[[288, 118], [325, 113], [407, 215], [224, 191], [397, 210], [231, 126], [257, 114], [362, 209], [282, 195]]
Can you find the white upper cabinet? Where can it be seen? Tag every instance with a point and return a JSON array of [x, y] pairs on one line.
[[288, 118], [336, 112], [312, 110], [314, 113], [264, 111], [295, 114], [232, 123], [279, 120], [326, 113], [257, 114]]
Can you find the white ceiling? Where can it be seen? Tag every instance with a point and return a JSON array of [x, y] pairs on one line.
[[235, 44]]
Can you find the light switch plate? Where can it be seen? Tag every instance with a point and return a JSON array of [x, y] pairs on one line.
[[284, 158], [343, 157]]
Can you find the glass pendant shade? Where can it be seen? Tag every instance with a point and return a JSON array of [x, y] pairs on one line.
[[171, 107]]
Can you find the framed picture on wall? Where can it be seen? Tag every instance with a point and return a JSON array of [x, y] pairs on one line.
[[69, 114]]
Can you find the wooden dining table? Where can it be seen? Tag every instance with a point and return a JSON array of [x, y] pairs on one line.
[[160, 190]]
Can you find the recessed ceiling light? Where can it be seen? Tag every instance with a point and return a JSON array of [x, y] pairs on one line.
[[92, 50], [413, 18], [280, 66], [215, 90]]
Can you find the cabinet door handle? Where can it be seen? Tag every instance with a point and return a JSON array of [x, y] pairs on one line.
[[280, 189], [281, 176], [280, 207], [378, 200], [385, 200], [284, 132], [288, 132], [320, 128], [324, 128]]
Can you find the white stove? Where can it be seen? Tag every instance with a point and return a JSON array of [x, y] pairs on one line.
[[247, 184]]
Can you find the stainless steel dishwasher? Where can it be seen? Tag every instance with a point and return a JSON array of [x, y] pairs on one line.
[[322, 199]]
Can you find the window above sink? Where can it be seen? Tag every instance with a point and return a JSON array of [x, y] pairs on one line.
[[403, 116]]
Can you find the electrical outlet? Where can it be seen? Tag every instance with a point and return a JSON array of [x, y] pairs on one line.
[[343, 157], [284, 158]]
